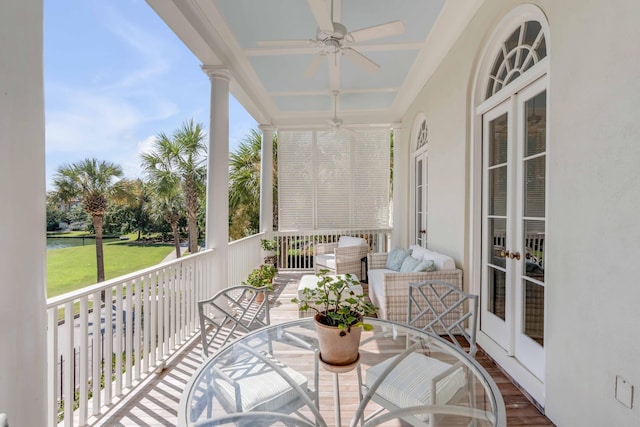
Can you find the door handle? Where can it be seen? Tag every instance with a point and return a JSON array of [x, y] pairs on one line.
[[515, 255], [423, 231], [505, 254]]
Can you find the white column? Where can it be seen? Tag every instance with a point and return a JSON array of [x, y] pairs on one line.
[[266, 180], [23, 328], [401, 189], [217, 226]]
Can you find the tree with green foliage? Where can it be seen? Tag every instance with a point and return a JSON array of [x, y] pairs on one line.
[[139, 207], [244, 186], [95, 183], [181, 158], [55, 215], [167, 204]]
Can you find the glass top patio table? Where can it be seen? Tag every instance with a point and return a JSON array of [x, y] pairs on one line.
[[226, 387]]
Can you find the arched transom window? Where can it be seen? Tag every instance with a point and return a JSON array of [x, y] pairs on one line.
[[524, 48], [421, 137]]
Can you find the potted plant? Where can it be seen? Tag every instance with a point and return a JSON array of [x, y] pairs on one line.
[[269, 246], [339, 317], [262, 276]]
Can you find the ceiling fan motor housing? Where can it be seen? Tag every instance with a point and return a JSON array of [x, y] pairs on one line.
[[339, 32]]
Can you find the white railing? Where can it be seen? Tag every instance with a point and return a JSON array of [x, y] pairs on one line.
[[145, 317], [244, 255], [295, 248]]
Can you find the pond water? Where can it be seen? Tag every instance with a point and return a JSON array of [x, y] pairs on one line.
[[68, 242]]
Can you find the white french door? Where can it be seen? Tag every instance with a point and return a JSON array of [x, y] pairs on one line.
[[514, 224], [421, 201]]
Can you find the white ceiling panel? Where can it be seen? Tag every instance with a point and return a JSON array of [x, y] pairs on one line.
[[308, 102]]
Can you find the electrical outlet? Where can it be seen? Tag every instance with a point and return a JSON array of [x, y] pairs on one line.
[[624, 392]]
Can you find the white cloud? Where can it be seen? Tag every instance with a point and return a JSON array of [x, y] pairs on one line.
[[97, 120], [146, 146]]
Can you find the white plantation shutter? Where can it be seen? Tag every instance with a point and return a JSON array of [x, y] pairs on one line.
[[333, 179], [295, 180], [371, 148]]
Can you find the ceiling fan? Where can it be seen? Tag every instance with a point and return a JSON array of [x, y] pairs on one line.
[[335, 39], [335, 122]]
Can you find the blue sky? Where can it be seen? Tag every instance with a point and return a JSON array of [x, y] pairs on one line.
[[116, 76]]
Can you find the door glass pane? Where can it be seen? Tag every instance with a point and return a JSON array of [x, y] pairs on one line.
[[497, 240], [534, 311], [498, 191], [534, 183], [496, 276], [533, 238], [498, 140], [536, 124], [497, 292]]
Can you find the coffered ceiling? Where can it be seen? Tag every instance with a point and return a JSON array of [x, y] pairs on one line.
[[306, 62]]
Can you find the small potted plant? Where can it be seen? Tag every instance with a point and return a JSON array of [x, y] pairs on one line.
[[260, 277], [339, 317], [269, 246]]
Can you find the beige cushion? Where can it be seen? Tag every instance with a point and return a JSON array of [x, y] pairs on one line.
[[409, 383], [418, 252], [272, 393], [441, 261], [346, 241], [327, 260]]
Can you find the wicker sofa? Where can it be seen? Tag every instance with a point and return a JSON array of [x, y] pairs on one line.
[[389, 289]]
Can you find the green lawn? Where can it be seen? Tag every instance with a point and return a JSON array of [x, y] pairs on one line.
[[73, 268]]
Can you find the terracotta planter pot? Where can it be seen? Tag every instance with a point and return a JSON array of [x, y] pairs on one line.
[[259, 298], [335, 349]]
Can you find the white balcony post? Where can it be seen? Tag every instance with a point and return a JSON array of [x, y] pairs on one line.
[[401, 217], [23, 334], [266, 180], [217, 218]]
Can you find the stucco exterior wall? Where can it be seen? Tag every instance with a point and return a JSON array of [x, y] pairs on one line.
[[23, 375], [592, 294]]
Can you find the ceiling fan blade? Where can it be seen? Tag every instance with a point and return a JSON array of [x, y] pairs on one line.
[[359, 59], [378, 31], [312, 69], [322, 12], [285, 43]]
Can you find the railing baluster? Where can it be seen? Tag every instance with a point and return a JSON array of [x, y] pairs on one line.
[[167, 312], [95, 356], [108, 346], [146, 287], [118, 340], [172, 319], [128, 341], [68, 389], [153, 285], [83, 362], [137, 316]]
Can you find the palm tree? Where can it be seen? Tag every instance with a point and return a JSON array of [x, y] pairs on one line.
[[244, 186], [181, 157], [95, 183], [168, 204]]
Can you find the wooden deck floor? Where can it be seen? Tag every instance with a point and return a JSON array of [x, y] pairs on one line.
[[156, 403]]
